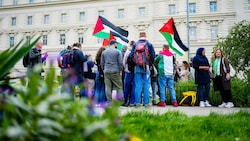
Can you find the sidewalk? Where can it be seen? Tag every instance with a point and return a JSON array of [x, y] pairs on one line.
[[188, 110]]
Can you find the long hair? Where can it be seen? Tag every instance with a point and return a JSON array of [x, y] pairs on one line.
[[186, 65], [98, 54], [220, 51]]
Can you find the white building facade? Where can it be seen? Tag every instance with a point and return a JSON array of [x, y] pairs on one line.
[[63, 22]]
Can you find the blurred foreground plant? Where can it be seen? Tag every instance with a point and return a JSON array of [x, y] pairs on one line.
[[38, 112]]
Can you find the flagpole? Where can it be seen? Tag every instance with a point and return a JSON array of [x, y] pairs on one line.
[[188, 37]]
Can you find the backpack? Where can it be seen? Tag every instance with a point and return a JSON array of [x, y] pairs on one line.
[[130, 63], [141, 54], [232, 70], [66, 59], [26, 59]]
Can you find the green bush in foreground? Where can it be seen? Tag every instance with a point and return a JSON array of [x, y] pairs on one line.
[[174, 126]]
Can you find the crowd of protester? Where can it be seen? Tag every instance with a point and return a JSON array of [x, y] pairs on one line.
[[120, 74]]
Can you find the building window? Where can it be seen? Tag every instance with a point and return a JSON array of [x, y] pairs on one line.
[[120, 13], [29, 20], [80, 38], [15, 2], [192, 7], [28, 39], [1, 2], [13, 21], [213, 6], [45, 39], [63, 18], [141, 12], [62, 39], [82, 16], [46, 19], [47, 0], [101, 12], [171, 9], [214, 31], [12, 40], [31, 1], [192, 32]]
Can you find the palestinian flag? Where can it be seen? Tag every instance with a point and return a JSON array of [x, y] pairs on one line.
[[106, 41], [171, 35], [105, 29]]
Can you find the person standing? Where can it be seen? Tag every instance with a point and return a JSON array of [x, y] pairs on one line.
[[77, 67], [111, 63], [184, 71], [100, 95], [128, 78], [142, 72], [222, 81], [165, 63], [90, 77], [202, 77], [35, 55]]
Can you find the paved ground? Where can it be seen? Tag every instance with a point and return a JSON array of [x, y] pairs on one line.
[[188, 110]]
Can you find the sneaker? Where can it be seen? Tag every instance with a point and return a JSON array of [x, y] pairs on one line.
[[161, 104], [202, 104], [207, 104], [175, 104], [125, 104], [145, 105], [229, 105], [132, 104], [137, 105], [223, 105], [154, 102]]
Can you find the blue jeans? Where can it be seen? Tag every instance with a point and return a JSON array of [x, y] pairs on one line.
[[142, 79], [99, 93], [166, 80], [154, 90], [203, 94], [128, 86]]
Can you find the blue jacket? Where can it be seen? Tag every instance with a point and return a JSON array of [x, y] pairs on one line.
[[201, 76]]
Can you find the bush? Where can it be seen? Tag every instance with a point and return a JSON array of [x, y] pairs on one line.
[[240, 92]]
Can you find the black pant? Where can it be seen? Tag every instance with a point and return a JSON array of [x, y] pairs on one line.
[[226, 95]]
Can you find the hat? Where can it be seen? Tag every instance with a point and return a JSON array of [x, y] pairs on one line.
[[113, 42]]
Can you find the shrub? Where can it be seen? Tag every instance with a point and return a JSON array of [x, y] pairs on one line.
[[240, 92]]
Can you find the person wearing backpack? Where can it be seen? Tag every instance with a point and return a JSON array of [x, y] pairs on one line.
[[35, 55], [143, 55], [61, 59], [222, 81], [165, 63]]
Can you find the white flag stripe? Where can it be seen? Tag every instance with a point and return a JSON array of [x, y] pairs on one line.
[[176, 46]]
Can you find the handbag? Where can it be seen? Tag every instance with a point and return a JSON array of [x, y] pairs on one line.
[[232, 70]]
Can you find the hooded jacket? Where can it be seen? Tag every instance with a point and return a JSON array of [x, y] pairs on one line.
[[201, 76]]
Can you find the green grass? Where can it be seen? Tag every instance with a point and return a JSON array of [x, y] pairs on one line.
[[174, 126]]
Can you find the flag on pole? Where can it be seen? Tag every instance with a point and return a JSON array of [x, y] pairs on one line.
[[171, 35], [105, 29]]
